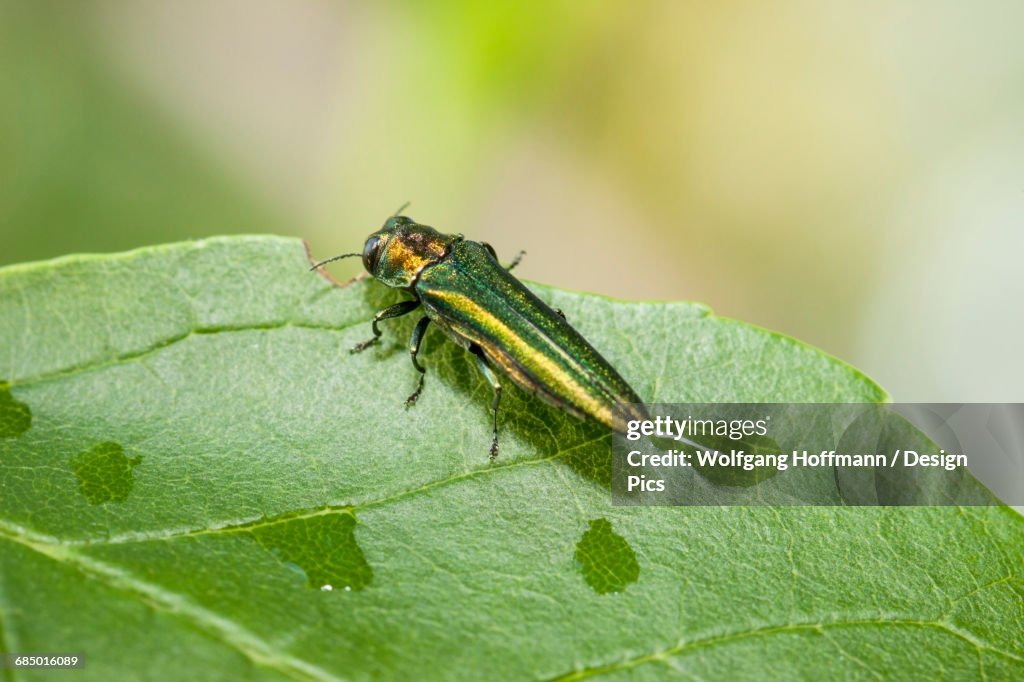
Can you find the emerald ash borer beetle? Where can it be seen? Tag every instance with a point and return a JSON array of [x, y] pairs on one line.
[[480, 305]]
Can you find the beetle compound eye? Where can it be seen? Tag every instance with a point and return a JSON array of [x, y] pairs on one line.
[[371, 252]]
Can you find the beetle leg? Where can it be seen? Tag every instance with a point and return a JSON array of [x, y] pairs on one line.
[[396, 310], [414, 348], [492, 378], [515, 261]]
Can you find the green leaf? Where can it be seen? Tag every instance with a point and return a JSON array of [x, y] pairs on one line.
[[190, 456]]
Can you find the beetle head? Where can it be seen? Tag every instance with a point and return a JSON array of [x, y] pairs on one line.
[[397, 252]]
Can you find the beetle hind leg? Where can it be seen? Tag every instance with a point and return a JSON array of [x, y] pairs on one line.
[[414, 348], [492, 379], [515, 261], [510, 266]]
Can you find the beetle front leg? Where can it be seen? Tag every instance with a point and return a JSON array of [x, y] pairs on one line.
[[414, 348], [492, 378], [396, 310]]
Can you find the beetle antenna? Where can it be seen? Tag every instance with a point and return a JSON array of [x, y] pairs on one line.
[[331, 260], [402, 208]]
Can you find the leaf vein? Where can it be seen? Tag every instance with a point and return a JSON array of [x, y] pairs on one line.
[[159, 598], [141, 354], [17, 532], [686, 647]]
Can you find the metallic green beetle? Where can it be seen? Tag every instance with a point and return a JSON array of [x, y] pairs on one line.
[[482, 307]]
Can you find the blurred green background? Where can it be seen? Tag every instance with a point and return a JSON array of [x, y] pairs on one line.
[[851, 174]]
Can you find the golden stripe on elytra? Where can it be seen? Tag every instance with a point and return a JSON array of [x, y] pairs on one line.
[[463, 302]]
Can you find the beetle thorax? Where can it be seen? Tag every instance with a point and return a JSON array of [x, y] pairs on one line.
[[408, 250]]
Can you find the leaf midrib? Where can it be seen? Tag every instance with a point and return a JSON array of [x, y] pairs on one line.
[[13, 530]]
